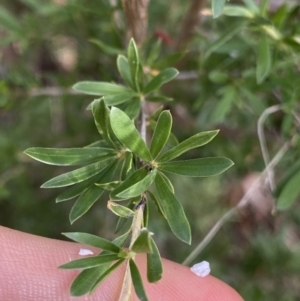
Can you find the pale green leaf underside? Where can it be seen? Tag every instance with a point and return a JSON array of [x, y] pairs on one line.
[[123, 67], [77, 175], [217, 7], [93, 240], [119, 210], [188, 144], [101, 88], [163, 77], [173, 210], [68, 156], [90, 262], [142, 244], [127, 133], [161, 133], [203, 167], [133, 62], [154, 264]]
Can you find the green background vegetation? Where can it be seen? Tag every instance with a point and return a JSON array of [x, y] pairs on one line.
[[45, 49]]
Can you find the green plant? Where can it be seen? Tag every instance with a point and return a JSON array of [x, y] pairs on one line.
[[122, 164]]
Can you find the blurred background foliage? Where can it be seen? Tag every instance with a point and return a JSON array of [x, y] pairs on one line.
[[232, 69]]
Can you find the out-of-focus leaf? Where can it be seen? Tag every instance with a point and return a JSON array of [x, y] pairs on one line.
[[252, 6], [231, 32], [142, 244], [68, 156], [93, 240], [138, 188], [8, 21], [168, 60], [188, 144], [289, 193], [90, 262], [161, 133], [263, 64], [173, 210], [119, 210], [137, 281], [134, 62], [127, 133], [154, 264], [77, 175], [155, 98], [237, 11], [137, 177], [88, 198], [163, 77], [124, 70], [203, 167], [217, 7], [106, 48]]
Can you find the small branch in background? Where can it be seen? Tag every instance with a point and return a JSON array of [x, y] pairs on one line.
[[136, 14], [262, 141], [242, 203], [190, 22], [51, 91]]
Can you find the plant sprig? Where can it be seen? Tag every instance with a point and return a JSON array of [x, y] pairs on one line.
[[123, 164]]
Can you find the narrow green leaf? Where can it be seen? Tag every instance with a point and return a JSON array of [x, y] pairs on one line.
[[188, 144], [124, 70], [137, 281], [93, 240], [101, 116], [146, 215], [263, 64], [134, 178], [90, 262], [252, 6], [119, 210], [203, 167], [217, 7], [161, 133], [133, 61], [106, 274], [102, 89], [68, 156], [139, 187], [154, 264], [77, 189], [289, 193], [142, 244], [106, 48], [113, 100], [158, 206], [127, 133], [86, 280], [110, 186], [163, 77], [88, 198], [173, 210], [120, 241], [127, 165], [77, 175], [168, 60]]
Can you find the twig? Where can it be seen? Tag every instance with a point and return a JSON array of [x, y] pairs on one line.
[[137, 19], [191, 20], [262, 141], [242, 203], [51, 91]]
